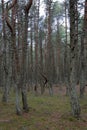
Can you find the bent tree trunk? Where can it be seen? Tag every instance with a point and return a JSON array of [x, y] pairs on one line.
[[73, 48], [15, 59], [16, 63]]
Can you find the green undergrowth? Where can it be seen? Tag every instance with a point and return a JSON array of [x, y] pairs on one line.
[[45, 113]]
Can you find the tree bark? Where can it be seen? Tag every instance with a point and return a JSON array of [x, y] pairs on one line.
[[24, 57], [73, 48], [83, 78]]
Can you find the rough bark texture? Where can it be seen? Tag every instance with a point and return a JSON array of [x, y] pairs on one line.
[[5, 86], [83, 79], [73, 48], [24, 57]]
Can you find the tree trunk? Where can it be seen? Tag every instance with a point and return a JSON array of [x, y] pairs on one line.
[[6, 87], [84, 54], [73, 48], [24, 57]]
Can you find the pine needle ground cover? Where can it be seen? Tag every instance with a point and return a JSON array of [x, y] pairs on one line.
[[46, 113]]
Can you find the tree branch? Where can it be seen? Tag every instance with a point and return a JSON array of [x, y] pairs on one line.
[[12, 4], [28, 6], [6, 14]]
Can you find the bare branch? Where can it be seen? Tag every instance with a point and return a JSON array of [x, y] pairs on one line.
[[6, 14], [28, 6], [12, 4]]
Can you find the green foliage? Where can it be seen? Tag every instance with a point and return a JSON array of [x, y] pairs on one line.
[[57, 9], [61, 33]]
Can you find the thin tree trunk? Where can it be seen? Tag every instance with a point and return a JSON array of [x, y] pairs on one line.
[[5, 93], [82, 70], [24, 58], [84, 54], [14, 48], [66, 55]]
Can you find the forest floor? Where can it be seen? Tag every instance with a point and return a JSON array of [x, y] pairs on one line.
[[46, 113]]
